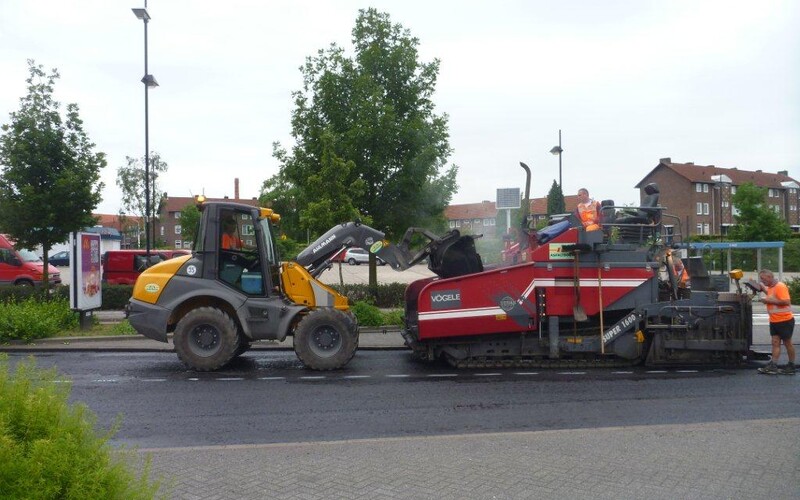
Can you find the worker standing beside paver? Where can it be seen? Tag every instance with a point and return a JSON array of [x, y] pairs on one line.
[[781, 322]]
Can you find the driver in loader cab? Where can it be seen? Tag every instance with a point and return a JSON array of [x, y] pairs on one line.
[[588, 211], [229, 239]]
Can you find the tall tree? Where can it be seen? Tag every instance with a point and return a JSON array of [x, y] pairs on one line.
[[190, 220], [130, 179], [50, 182], [373, 111], [555, 200], [756, 220]]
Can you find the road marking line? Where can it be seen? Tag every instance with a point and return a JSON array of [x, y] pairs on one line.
[[399, 376], [443, 375], [154, 380], [271, 378], [656, 371], [621, 373], [688, 371], [357, 376], [316, 377], [229, 379], [526, 373], [487, 374], [194, 379], [106, 381], [572, 373]]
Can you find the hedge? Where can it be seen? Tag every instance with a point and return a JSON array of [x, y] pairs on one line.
[[115, 297]]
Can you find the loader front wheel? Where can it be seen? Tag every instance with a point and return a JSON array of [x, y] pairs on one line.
[[325, 339], [206, 339]]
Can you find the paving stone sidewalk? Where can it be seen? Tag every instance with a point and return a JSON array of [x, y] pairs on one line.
[[721, 460]]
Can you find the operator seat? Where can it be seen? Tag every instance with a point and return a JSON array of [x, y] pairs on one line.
[[641, 225]]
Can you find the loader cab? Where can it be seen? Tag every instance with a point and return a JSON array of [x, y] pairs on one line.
[[237, 246]]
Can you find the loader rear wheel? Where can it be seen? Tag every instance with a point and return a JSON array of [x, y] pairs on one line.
[[206, 339], [326, 339]]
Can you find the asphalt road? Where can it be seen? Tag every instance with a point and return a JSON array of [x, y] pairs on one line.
[[267, 397]]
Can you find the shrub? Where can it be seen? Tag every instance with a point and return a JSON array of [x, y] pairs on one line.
[[386, 296], [395, 317], [33, 319], [367, 314], [116, 296], [794, 289], [50, 449]]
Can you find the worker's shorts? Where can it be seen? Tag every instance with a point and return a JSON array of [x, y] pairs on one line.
[[783, 329]]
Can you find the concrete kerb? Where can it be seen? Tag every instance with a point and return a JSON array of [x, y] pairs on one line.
[[384, 338]]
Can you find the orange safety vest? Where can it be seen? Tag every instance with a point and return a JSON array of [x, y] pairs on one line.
[[778, 314], [231, 242], [589, 213], [683, 278]]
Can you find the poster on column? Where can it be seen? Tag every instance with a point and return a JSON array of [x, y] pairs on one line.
[[85, 291]]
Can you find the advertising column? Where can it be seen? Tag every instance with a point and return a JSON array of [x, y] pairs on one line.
[[85, 292]]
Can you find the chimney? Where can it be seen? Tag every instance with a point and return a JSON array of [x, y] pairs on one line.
[[784, 173], [236, 188], [665, 161]]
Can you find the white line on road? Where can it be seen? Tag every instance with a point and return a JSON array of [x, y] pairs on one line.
[[572, 373], [487, 374], [621, 373], [154, 380], [316, 377], [229, 379], [435, 375], [526, 373], [401, 375], [357, 376], [271, 378]]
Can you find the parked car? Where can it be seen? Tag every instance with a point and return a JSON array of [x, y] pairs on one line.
[[60, 259], [356, 256], [23, 267], [122, 267]]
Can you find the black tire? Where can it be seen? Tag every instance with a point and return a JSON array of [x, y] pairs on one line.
[[24, 283], [206, 339], [326, 339], [243, 348], [352, 261]]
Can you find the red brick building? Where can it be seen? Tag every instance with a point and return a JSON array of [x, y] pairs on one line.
[[701, 196]]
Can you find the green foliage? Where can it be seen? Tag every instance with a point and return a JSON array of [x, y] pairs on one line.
[[51, 449], [190, 222], [390, 295], [369, 315], [50, 182], [555, 200], [288, 248], [331, 191], [369, 122], [116, 296], [34, 319], [794, 290], [131, 180], [123, 328], [756, 221]]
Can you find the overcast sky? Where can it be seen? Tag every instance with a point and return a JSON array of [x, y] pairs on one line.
[[627, 82]]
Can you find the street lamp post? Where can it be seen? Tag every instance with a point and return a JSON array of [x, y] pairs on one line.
[[149, 81], [558, 152]]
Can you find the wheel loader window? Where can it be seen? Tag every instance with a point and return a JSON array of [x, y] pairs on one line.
[[240, 264]]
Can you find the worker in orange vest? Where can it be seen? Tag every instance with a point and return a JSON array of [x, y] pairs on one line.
[[229, 239], [680, 273], [781, 322], [588, 211]]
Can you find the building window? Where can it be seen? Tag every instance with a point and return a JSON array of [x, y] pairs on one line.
[[771, 193], [706, 228], [699, 229], [187, 244], [458, 223], [177, 243], [726, 204], [699, 208], [705, 188], [177, 229], [734, 210], [162, 231], [476, 221], [698, 187], [177, 215], [733, 189], [452, 224], [705, 209]]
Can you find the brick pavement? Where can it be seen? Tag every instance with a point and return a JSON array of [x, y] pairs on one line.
[[745, 459]]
